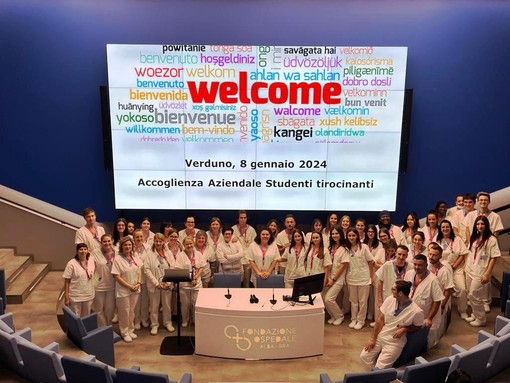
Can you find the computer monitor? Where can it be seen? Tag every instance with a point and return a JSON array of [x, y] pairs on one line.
[[312, 284]]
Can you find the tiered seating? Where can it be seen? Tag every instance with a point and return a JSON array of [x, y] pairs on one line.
[[379, 376], [85, 334], [45, 364]]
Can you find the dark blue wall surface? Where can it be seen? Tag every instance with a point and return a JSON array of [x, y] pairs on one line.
[[53, 60]]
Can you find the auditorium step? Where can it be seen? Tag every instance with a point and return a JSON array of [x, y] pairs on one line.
[[21, 274]]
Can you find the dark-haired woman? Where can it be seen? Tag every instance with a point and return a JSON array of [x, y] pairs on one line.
[[164, 229], [484, 251], [294, 255], [273, 227], [336, 278], [431, 228], [78, 281], [409, 228], [148, 235], [119, 230], [318, 260], [359, 278], [455, 252], [316, 226], [263, 255], [417, 246]]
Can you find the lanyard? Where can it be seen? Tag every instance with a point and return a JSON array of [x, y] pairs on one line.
[[415, 285], [163, 257], [400, 275], [447, 244], [108, 259], [435, 272], [86, 269], [263, 255], [297, 253], [192, 259], [131, 260], [94, 233]]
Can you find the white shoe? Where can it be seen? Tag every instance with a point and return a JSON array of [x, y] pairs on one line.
[[184, 324], [145, 324], [127, 339], [359, 326], [133, 335], [477, 323], [352, 324], [170, 328], [115, 319], [464, 316], [331, 320], [487, 307], [338, 322], [137, 326], [154, 330], [470, 319], [372, 324]]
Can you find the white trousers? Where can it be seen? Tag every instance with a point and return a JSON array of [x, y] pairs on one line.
[[358, 296], [163, 298], [126, 311], [330, 302], [104, 307], [142, 307], [82, 309]]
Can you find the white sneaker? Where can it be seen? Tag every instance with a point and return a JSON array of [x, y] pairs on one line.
[[372, 324], [137, 326], [477, 323], [115, 319], [127, 339], [359, 326], [464, 316], [331, 320], [184, 324], [133, 335], [154, 330], [352, 324], [338, 322], [487, 307], [145, 323], [170, 328], [470, 319]]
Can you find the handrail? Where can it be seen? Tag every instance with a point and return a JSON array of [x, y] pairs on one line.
[[40, 208]]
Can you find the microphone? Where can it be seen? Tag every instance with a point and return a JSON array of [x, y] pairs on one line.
[[273, 301], [228, 295]]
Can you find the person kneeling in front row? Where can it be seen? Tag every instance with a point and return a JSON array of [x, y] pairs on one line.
[[399, 315]]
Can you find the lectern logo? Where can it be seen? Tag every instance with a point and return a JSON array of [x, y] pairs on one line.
[[232, 332], [266, 338]]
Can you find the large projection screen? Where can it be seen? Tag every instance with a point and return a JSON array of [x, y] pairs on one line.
[[256, 127]]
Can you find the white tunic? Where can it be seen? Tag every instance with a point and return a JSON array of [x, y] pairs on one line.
[[81, 287]]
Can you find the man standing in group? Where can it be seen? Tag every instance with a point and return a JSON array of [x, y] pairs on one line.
[[444, 275], [426, 293], [284, 238], [458, 218], [91, 233], [484, 199]]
